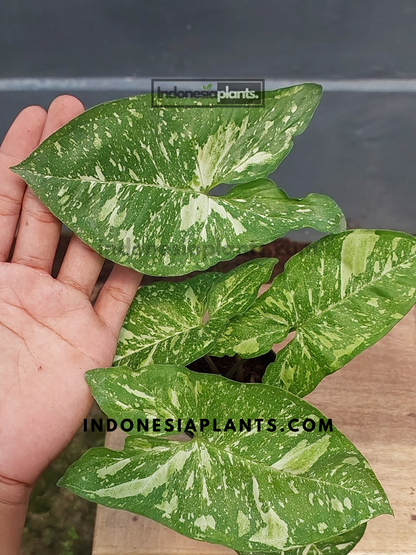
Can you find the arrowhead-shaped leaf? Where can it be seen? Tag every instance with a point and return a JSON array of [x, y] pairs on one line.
[[179, 322], [133, 181], [338, 545], [250, 490], [233, 293], [340, 294], [165, 324]]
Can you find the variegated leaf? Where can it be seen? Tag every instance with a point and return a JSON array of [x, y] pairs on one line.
[[340, 294], [338, 545], [236, 291], [251, 334], [165, 324], [179, 322], [133, 181], [251, 491]]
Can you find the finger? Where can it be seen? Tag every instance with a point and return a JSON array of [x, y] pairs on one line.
[[80, 267], [116, 297], [39, 230], [22, 138], [62, 109]]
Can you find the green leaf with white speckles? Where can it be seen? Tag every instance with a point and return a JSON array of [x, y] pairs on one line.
[[179, 322], [250, 490], [338, 545], [237, 290], [251, 334], [165, 324], [133, 181], [340, 294]]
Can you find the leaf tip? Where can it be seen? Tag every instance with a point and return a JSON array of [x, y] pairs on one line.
[[90, 375], [390, 510], [316, 87], [341, 226], [18, 168], [62, 482]]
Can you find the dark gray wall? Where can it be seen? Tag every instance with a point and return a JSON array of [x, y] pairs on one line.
[[360, 147]]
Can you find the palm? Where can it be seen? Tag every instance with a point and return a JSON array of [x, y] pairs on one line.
[[50, 334]]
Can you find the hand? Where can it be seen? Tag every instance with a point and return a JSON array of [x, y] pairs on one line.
[[50, 334]]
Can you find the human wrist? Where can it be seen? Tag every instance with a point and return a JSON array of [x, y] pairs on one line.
[[14, 500], [14, 493]]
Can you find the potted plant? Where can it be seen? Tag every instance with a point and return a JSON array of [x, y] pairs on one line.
[[262, 471]]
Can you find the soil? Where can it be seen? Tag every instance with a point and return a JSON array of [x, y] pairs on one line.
[[248, 371]]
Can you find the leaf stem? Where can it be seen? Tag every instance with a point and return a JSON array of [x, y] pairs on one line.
[[211, 364], [238, 366]]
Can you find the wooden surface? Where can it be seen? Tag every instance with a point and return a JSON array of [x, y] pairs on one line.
[[372, 400]]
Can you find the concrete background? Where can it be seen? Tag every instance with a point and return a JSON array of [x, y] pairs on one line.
[[361, 145]]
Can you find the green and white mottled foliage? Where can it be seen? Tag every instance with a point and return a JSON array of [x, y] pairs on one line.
[[133, 181], [177, 323], [251, 491], [234, 292], [340, 294], [338, 545]]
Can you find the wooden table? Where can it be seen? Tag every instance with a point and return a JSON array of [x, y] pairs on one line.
[[372, 400]]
